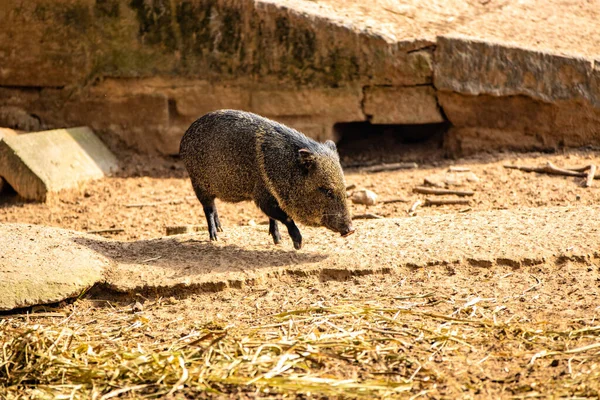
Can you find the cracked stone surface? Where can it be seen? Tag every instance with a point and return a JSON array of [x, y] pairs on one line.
[[40, 265], [246, 254]]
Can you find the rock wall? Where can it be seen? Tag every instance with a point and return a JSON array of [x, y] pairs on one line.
[[143, 70]]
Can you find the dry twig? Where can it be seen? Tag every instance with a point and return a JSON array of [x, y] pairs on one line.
[[441, 202], [391, 201], [438, 192], [459, 169], [549, 168], [413, 208], [111, 230], [388, 167], [590, 176], [367, 216]]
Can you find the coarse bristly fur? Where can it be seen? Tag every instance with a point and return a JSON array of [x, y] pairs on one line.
[[235, 156]]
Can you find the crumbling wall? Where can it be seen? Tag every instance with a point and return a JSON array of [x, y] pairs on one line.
[[143, 70]]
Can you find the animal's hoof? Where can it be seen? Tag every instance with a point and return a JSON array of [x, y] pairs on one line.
[[219, 229], [297, 245]]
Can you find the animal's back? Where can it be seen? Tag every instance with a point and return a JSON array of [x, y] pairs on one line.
[[219, 152]]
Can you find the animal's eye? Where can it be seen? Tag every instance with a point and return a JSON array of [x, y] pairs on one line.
[[327, 192]]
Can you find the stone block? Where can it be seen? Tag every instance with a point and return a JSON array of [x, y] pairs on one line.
[[18, 118], [474, 67], [43, 43], [484, 123], [516, 113], [464, 141], [40, 164], [140, 120], [338, 105], [41, 265], [195, 101], [402, 105]]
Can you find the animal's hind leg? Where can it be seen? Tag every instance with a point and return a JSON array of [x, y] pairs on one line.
[[217, 222], [210, 211], [274, 231]]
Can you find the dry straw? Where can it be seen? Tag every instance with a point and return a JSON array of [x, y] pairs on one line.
[[351, 349]]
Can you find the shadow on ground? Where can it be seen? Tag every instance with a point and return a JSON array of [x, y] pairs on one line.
[[173, 258]]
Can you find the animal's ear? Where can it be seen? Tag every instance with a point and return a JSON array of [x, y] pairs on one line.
[[307, 158], [330, 144]]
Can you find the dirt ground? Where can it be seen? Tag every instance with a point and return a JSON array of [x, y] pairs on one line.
[[467, 331]]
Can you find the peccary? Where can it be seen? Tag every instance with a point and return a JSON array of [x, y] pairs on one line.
[[235, 156]]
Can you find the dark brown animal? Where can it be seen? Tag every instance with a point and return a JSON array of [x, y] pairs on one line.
[[236, 156]]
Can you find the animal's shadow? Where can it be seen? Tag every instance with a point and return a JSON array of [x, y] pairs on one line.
[[195, 257]]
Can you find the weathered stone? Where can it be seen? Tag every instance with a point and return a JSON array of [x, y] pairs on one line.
[[195, 101], [40, 265], [474, 67], [245, 255], [7, 132], [43, 43], [320, 129], [340, 105], [140, 120], [516, 123], [39, 164], [18, 118], [402, 105]]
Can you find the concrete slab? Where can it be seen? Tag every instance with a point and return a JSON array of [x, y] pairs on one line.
[[39, 164], [40, 265], [245, 255]]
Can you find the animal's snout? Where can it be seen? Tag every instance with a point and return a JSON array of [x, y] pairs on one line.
[[348, 231]]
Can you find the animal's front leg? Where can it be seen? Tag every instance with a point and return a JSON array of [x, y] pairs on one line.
[[268, 204]]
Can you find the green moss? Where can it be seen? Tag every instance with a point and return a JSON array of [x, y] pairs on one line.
[[231, 25], [155, 23], [107, 8], [193, 19], [342, 67], [77, 16]]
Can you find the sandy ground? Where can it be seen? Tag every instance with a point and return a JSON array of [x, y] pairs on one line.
[[151, 193]]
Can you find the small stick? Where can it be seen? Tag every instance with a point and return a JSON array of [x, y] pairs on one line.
[[390, 201], [112, 230], [154, 204], [437, 192], [464, 210], [35, 315], [367, 216], [580, 169], [350, 187], [388, 167], [441, 202], [413, 208], [459, 169], [151, 259], [590, 176], [549, 168]]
